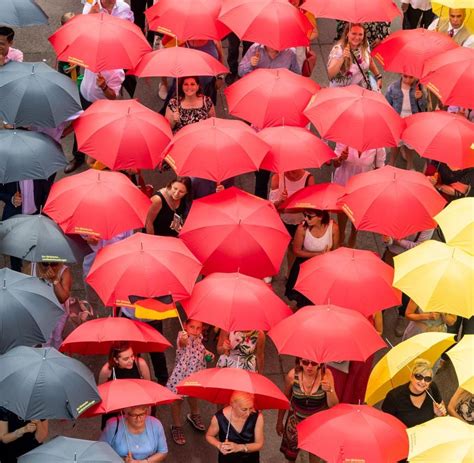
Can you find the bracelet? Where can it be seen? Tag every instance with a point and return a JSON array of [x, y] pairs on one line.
[[378, 77], [246, 449]]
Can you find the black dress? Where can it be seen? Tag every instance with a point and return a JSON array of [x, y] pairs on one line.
[[246, 436], [162, 222]]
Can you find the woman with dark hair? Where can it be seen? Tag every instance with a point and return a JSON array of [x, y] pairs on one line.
[[317, 234], [191, 106]]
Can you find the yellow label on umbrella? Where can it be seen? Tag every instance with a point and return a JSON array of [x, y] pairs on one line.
[[52, 259], [78, 61]]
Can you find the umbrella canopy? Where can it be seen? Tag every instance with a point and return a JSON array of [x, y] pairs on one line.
[[29, 310], [36, 94], [374, 123], [96, 337], [326, 334], [178, 62], [406, 51], [354, 11], [450, 75], [100, 42], [22, 13], [187, 19], [441, 136], [41, 383], [461, 355], [394, 368], [354, 432], [216, 149], [217, 385], [145, 265], [437, 277], [365, 284], [62, 449], [122, 393], [217, 222], [275, 23], [97, 203], [271, 97], [293, 148], [457, 224], [235, 302], [122, 134], [377, 201], [441, 439], [37, 238], [323, 196], [28, 155]]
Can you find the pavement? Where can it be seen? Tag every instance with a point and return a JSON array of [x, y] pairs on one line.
[[33, 42]]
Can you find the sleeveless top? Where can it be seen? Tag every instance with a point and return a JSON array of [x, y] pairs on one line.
[[190, 115], [246, 436], [461, 35], [125, 373], [162, 222], [303, 405], [313, 244]]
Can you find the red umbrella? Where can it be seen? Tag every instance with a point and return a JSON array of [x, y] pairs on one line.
[[373, 122], [216, 149], [354, 433], [187, 19], [354, 11], [233, 301], [144, 265], [293, 148], [323, 196], [392, 201], [178, 62], [450, 76], [123, 393], [97, 203], [122, 134], [406, 51], [100, 42], [326, 334], [234, 231], [96, 337], [217, 385], [270, 97], [365, 284], [441, 136], [275, 23]]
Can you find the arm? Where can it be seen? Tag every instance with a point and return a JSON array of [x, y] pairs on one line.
[[298, 244], [294, 66], [144, 368], [380, 157], [449, 319], [6, 437], [408, 244], [62, 287], [439, 408], [274, 196], [375, 71], [389, 405], [41, 430], [411, 314], [260, 352], [289, 380], [104, 374], [336, 60], [245, 66], [212, 432], [154, 210], [335, 236], [327, 385], [223, 343], [454, 402], [160, 443], [220, 53], [378, 322]]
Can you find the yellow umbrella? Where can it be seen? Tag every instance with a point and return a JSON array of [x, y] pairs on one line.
[[462, 356], [442, 440], [457, 223], [438, 277], [441, 9], [394, 368]]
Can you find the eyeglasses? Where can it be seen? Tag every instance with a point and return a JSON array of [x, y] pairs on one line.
[[419, 377], [309, 362], [138, 415], [49, 264]]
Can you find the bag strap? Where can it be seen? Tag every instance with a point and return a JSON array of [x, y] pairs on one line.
[[367, 83]]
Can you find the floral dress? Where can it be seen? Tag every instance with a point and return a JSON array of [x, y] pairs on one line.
[[242, 354], [191, 115], [353, 76]]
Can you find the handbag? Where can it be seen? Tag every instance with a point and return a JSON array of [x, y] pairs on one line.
[[370, 83], [309, 63]]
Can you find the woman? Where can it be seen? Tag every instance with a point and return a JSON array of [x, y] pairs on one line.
[[237, 430], [410, 402], [316, 235], [241, 349], [136, 436], [18, 437], [350, 60], [168, 207], [190, 107], [310, 388], [461, 405]]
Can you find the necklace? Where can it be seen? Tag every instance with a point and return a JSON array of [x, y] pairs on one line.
[[414, 394], [303, 387]]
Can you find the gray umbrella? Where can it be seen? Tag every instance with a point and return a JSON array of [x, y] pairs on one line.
[[37, 238], [21, 13], [36, 94], [28, 155], [29, 310], [41, 383], [66, 449]]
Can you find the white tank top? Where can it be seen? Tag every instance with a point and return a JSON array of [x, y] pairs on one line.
[[313, 244]]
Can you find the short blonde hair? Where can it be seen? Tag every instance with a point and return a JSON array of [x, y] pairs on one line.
[[244, 399], [421, 365]]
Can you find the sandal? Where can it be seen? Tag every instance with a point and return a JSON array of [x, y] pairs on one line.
[[196, 421], [177, 434]]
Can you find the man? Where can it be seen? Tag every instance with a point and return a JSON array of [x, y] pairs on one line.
[[417, 12], [7, 52], [233, 56], [117, 8], [453, 26]]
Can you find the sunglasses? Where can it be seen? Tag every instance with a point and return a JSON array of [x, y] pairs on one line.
[[427, 379], [49, 264], [309, 362]]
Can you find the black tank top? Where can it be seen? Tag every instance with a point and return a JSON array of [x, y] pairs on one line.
[[162, 222], [124, 373]]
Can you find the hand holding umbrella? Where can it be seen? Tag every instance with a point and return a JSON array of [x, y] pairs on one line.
[[255, 58]]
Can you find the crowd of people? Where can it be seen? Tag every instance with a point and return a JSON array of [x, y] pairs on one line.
[[236, 430]]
